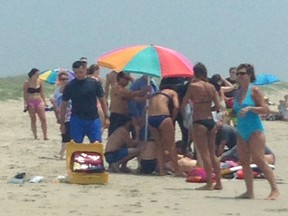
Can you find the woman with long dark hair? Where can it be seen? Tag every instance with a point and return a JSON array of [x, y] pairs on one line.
[[34, 102]]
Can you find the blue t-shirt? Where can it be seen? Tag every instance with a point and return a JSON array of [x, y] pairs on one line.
[[136, 109], [83, 94]]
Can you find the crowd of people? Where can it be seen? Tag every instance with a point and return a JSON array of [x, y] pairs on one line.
[[141, 119]]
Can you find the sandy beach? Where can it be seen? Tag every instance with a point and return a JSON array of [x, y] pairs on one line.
[[125, 194]]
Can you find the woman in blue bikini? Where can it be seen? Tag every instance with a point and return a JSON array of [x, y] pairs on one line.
[[163, 109], [248, 104]]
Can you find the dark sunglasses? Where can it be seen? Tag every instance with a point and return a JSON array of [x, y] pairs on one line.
[[241, 73]]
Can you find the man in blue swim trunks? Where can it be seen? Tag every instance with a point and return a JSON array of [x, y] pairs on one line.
[[120, 148], [83, 93]]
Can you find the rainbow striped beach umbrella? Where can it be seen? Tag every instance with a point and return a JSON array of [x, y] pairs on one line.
[[51, 76], [151, 60]]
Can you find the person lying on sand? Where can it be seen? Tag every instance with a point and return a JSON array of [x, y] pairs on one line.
[[149, 163], [232, 155]]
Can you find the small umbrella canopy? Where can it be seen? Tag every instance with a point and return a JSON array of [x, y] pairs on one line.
[[152, 60], [264, 79], [51, 76]]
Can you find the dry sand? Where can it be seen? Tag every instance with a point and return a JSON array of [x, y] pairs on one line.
[[125, 194]]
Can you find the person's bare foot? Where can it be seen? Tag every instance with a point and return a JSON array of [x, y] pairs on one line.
[[273, 195], [206, 187], [245, 195], [46, 138], [218, 186]]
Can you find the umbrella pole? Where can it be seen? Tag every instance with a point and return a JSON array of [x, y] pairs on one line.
[[146, 111]]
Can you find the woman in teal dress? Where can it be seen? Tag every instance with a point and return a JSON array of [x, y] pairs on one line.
[[248, 104]]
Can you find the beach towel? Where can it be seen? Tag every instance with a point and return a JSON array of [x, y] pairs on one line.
[[197, 175], [237, 171]]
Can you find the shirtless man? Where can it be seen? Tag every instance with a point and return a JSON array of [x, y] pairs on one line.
[[119, 100], [120, 148], [202, 94], [111, 80], [163, 109]]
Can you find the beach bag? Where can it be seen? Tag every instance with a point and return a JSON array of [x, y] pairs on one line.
[[87, 162], [197, 175]]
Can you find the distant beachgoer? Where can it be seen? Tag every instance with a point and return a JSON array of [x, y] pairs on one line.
[[34, 102], [83, 93], [283, 110], [223, 86], [120, 148], [163, 109], [249, 103], [217, 80], [120, 97], [111, 79], [202, 94], [230, 117], [233, 80], [57, 101], [94, 72], [84, 61]]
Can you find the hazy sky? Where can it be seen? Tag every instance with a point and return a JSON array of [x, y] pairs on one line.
[[219, 33]]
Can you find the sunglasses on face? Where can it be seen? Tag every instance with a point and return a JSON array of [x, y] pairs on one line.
[[241, 73]]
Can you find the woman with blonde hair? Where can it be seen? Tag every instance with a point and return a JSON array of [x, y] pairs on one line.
[[34, 102], [57, 101]]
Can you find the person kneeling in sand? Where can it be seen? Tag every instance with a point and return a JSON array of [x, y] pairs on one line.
[[120, 148], [149, 162]]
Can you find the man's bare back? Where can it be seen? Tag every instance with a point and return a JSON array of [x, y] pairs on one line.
[[118, 139]]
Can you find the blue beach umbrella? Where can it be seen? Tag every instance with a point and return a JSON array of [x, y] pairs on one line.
[[264, 79], [51, 76]]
